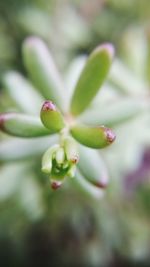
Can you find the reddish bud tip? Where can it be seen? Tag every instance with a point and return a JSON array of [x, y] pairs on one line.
[[103, 183], [55, 184], [109, 47], [110, 135], [2, 121], [75, 159], [4, 117], [48, 105]]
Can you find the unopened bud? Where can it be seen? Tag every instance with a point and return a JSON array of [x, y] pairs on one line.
[[60, 155], [51, 117], [71, 150], [47, 159], [55, 184], [94, 137]]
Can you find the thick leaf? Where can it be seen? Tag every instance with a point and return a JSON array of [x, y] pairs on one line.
[[51, 117], [73, 74], [86, 187], [20, 149], [71, 150], [22, 125], [114, 113], [92, 167], [91, 78], [22, 92], [43, 71], [94, 137], [126, 81]]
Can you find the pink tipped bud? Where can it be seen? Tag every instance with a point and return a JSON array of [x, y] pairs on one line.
[[49, 105], [109, 48], [75, 159], [103, 182], [51, 117], [110, 135], [55, 184]]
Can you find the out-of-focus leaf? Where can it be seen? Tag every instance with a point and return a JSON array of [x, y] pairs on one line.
[[86, 187], [125, 80], [43, 71], [18, 149], [22, 92], [92, 167], [22, 125], [112, 114]]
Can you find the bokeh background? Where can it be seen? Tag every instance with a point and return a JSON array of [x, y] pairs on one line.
[[68, 227]]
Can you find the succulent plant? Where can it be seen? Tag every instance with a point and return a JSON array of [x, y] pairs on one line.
[[60, 114]]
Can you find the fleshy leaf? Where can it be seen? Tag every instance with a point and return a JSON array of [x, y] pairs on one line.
[[91, 78], [22, 125], [92, 167], [22, 92], [43, 71], [28, 148], [86, 187], [47, 159], [51, 117], [125, 81], [94, 137], [118, 112]]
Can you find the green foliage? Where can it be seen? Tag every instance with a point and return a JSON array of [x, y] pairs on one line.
[[94, 137], [42, 70], [60, 160], [51, 117], [105, 227], [92, 77], [22, 125]]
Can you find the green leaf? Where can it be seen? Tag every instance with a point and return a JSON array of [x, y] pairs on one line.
[[22, 92], [22, 125], [91, 78], [28, 148], [92, 167], [86, 187], [47, 159], [94, 137], [118, 112], [125, 81], [43, 71], [51, 117]]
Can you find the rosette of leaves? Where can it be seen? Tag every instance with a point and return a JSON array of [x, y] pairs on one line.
[[51, 118]]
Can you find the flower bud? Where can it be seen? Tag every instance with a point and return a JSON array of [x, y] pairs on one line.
[[60, 156], [72, 171], [71, 150], [94, 137], [51, 117], [55, 184], [47, 159]]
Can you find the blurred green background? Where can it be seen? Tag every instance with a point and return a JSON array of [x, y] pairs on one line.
[[39, 227]]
